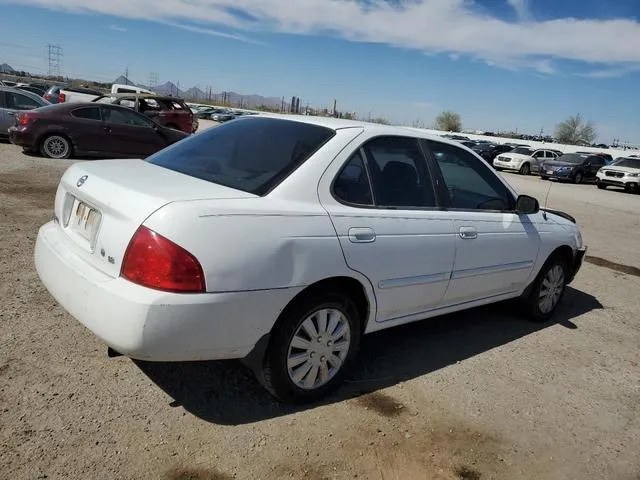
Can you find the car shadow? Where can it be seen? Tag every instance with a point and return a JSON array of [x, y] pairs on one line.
[[226, 392]]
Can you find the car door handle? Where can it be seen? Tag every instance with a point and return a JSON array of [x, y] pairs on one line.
[[107, 129], [362, 235], [468, 233]]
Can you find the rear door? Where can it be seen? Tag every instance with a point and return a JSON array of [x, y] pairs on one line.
[[130, 133], [495, 247], [383, 206]]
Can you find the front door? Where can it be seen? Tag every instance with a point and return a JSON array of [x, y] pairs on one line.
[[495, 247], [131, 133], [383, 206]]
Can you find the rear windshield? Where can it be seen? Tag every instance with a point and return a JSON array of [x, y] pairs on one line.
[[523, 150], [571, 158], [253, 154]]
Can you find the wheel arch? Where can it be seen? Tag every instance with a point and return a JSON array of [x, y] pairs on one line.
[[565, 252]]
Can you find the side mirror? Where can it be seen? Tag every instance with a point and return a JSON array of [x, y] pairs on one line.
[[526, 205]]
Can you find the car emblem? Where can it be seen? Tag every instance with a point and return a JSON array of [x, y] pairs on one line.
[[81, 180]]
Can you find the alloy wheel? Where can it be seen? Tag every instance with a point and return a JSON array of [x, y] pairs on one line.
[[56, 147]]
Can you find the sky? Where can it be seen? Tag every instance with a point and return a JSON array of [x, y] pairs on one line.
[[500, 64]]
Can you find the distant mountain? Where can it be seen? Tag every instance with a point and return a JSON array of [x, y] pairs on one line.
[[6, 68], [194, 93], [169, 88]]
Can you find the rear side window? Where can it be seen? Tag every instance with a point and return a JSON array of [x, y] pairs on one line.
[[352, 184], [253, 155]]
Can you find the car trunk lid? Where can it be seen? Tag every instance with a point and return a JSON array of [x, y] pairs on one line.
[[99, 205]]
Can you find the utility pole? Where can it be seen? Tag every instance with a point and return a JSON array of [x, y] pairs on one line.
[[153, 80], [55, 59], [126, 75], [178, 89]]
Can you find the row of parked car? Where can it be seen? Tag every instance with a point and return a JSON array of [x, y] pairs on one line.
[[217, 114], [65, 121], [577, 167]]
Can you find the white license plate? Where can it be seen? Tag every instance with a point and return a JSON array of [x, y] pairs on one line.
[[549, 172], [84, 221]]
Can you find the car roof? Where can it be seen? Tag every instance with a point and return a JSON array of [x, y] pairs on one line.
[[142, 95], [22, 92], [341, 123]]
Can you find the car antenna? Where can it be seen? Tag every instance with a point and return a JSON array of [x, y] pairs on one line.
[[546, 198]]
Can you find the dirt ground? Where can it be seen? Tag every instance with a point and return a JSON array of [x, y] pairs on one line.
[[477, 395]]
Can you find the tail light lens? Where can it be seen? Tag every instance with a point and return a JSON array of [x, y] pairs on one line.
[[47, 96], [154, 261], [25, 119], [62, 98]]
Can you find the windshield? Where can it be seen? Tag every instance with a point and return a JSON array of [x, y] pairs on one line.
[[522, 151], [571, 158], [628, 162], [253, 154]]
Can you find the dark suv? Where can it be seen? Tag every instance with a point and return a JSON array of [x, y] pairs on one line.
[[167, 111]]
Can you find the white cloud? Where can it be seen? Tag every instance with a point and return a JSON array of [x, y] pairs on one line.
[[431, 26], [116, 28], [521, 7]]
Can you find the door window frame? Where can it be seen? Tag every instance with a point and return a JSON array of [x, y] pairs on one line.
[[426, 175], [125, 110], [85, 118], [439, 182]]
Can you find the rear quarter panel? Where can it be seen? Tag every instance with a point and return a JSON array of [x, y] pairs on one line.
[[254, 244]]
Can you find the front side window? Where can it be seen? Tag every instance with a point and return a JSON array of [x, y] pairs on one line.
[[399, 173], [253, 155], [88, 113], [470, 184], [539, 154], [124, 117]]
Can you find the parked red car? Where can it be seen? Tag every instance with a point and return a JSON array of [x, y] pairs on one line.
[[169, 111], [89, 129]]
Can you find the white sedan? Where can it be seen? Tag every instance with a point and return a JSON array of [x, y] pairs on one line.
[[524, 160], [282, 240]]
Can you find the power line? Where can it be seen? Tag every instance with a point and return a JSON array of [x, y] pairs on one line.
[[153, 80], [55, 59]]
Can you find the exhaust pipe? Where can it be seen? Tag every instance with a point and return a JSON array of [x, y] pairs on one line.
[[111, 353]]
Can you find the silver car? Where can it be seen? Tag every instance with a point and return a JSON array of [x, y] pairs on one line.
[[12, 101]]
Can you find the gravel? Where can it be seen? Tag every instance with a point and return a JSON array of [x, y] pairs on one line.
[[479, 394]]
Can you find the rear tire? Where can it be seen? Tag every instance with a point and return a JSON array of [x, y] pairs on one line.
[[548, 289], [56, 146], [525, 169], [312, 347], [544, 177]]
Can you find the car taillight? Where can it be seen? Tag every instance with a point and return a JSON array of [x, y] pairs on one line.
[[154, 261], [47, 96], [25, 119], [62, 98]]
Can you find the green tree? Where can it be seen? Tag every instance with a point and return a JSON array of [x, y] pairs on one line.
[[448, 122], [575, 131]]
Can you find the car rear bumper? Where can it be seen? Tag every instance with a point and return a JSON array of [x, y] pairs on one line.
[[152, 325], [22, 138]]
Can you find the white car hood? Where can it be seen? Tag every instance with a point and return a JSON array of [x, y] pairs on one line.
[[614, 168]]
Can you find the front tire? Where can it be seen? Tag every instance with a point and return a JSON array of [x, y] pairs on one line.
[[544, 177], [578, 177], [312, 347], [56, 146], [548, 289], [525, 169], [601, 186]]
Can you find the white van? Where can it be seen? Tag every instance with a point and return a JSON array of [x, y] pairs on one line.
[[119, 88]]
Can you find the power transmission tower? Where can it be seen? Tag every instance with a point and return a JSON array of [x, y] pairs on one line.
[[126, 75], [55, 59], [153, 80]]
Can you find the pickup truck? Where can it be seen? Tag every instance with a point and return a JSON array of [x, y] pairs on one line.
[[61, 94]]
